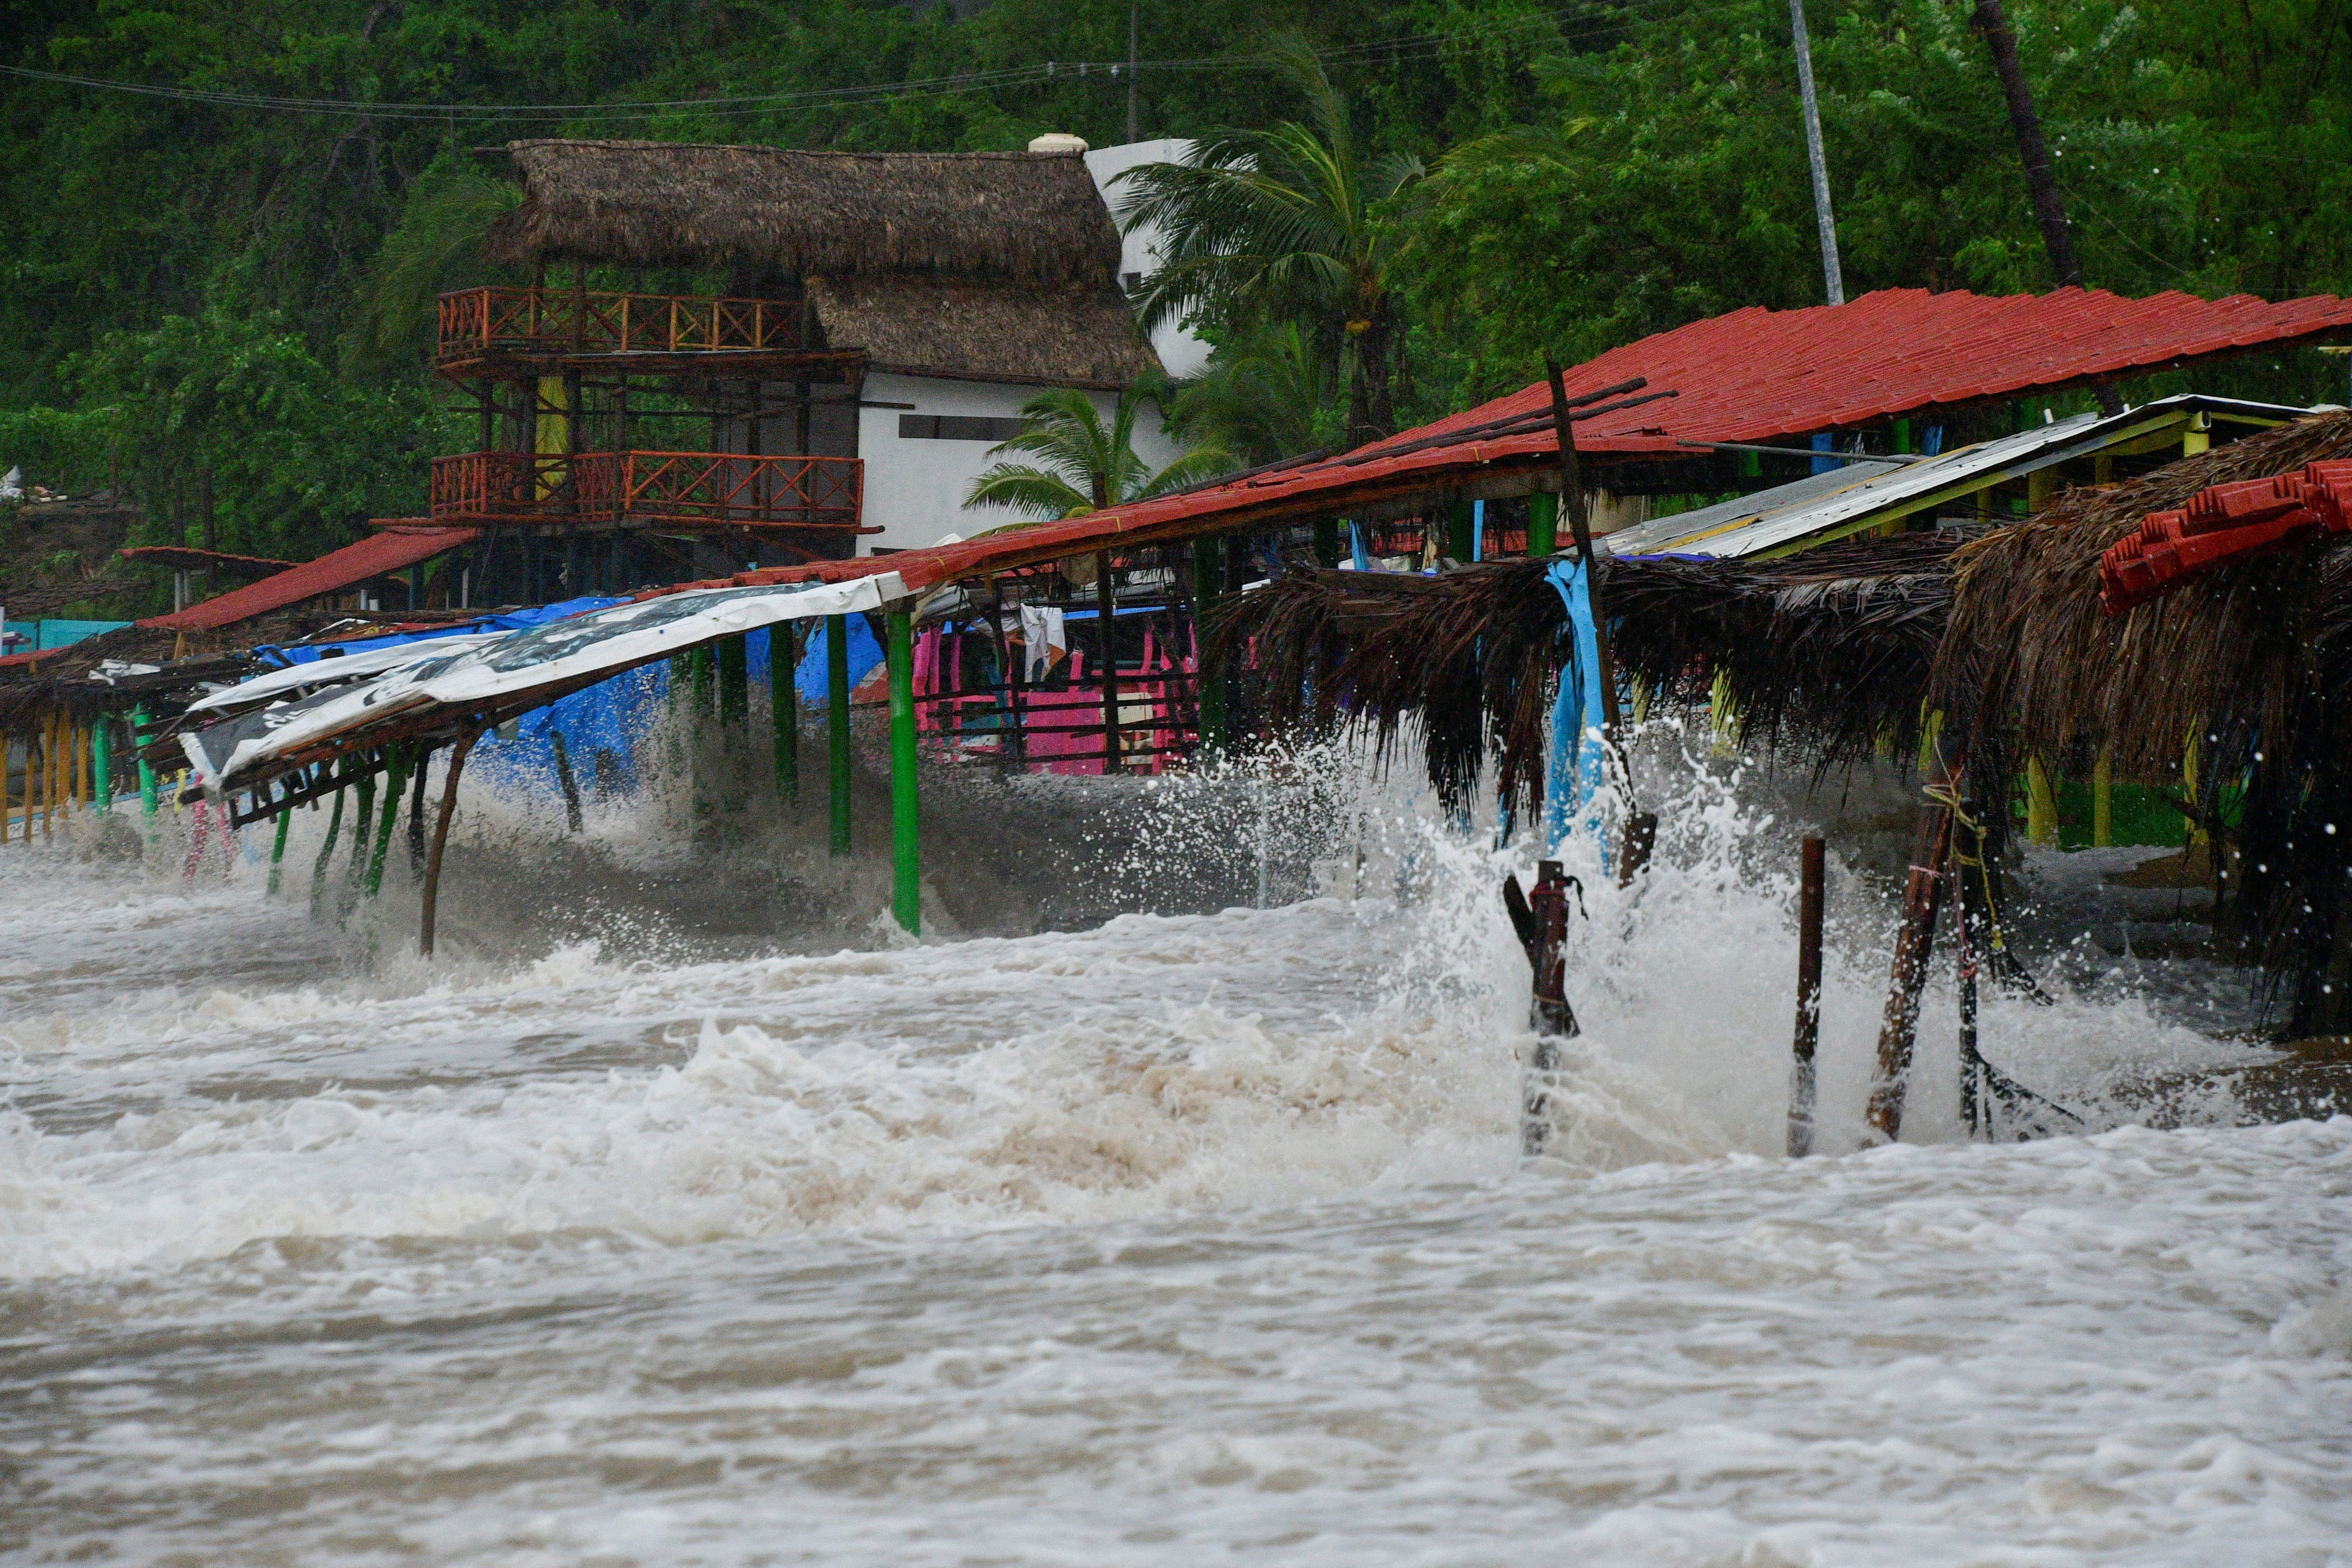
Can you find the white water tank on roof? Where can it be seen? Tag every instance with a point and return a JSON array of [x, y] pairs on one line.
[[1057, 141]]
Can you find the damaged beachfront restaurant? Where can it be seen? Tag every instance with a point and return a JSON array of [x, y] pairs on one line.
[[1910, 562]]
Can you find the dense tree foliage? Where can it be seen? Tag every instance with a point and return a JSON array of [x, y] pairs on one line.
[[218, 302]]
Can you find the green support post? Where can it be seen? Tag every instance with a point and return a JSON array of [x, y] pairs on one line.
[[1543, 524], [359, 819], [277, 848], [396, 775], [705, 688], [1458, 542], [734, 656], [784, 703], [906, 866], [146, 768], [1208, 582], [836, 696], [101, 762], [327, 849], [1327, 541]]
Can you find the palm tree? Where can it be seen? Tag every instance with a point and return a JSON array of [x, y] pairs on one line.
[[436, 247], [1082, 466], [1264, 226], [1265, 395]]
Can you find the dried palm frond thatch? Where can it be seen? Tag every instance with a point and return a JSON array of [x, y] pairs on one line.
[[1829, 651], [1035, 217]]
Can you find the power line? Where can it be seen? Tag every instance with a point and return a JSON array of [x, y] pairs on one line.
[[1403, 47]]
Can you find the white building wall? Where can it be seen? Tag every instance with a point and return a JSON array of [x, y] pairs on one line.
[[1184, 353], [915, 484]]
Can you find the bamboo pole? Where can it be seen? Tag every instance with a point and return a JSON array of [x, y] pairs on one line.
[[2102, 800], [1923, 899], [906, 866], [441, 839], [1801, 1080]]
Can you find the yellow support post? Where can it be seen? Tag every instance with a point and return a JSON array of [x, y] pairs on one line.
[[2200, 436], [2041, 805], [2102, 800]]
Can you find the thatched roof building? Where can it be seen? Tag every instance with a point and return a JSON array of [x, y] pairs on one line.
[[978, 266]]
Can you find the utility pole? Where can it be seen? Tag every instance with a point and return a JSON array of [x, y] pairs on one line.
[[1134, 24], [1832, 277], [2033, 152]]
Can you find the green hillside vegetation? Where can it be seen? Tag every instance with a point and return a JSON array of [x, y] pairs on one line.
[[221, 304]]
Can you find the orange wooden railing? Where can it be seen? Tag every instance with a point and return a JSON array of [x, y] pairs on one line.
[[478, 322], [717, 488]]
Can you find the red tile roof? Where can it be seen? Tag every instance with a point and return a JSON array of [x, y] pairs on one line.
[[1756, 374], [373, 556], [2224, 523]]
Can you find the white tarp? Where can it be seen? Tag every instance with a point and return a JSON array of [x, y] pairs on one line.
[[560, 652], [340, 670]]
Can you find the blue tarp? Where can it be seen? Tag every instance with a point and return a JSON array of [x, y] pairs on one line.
[[864, 652]]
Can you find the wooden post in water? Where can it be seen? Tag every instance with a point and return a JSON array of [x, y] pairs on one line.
[[441, 839], [1802, 1087], [1540, 921], [1923, 899], [837, 669], [906, 866], [1106, 611]]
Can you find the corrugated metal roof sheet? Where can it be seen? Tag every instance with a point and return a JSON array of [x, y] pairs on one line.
[[1822, 502], [387, 551]]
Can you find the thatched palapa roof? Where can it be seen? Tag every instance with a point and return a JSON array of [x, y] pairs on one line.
[[987, 265], [1031, 216]]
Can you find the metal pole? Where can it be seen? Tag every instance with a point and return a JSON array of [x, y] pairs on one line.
[[1134, 26], [837, 669], [906, 866], [1832, 277], [1801, 1087]]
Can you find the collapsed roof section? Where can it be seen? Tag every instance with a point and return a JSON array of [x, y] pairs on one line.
[[389, 551]]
